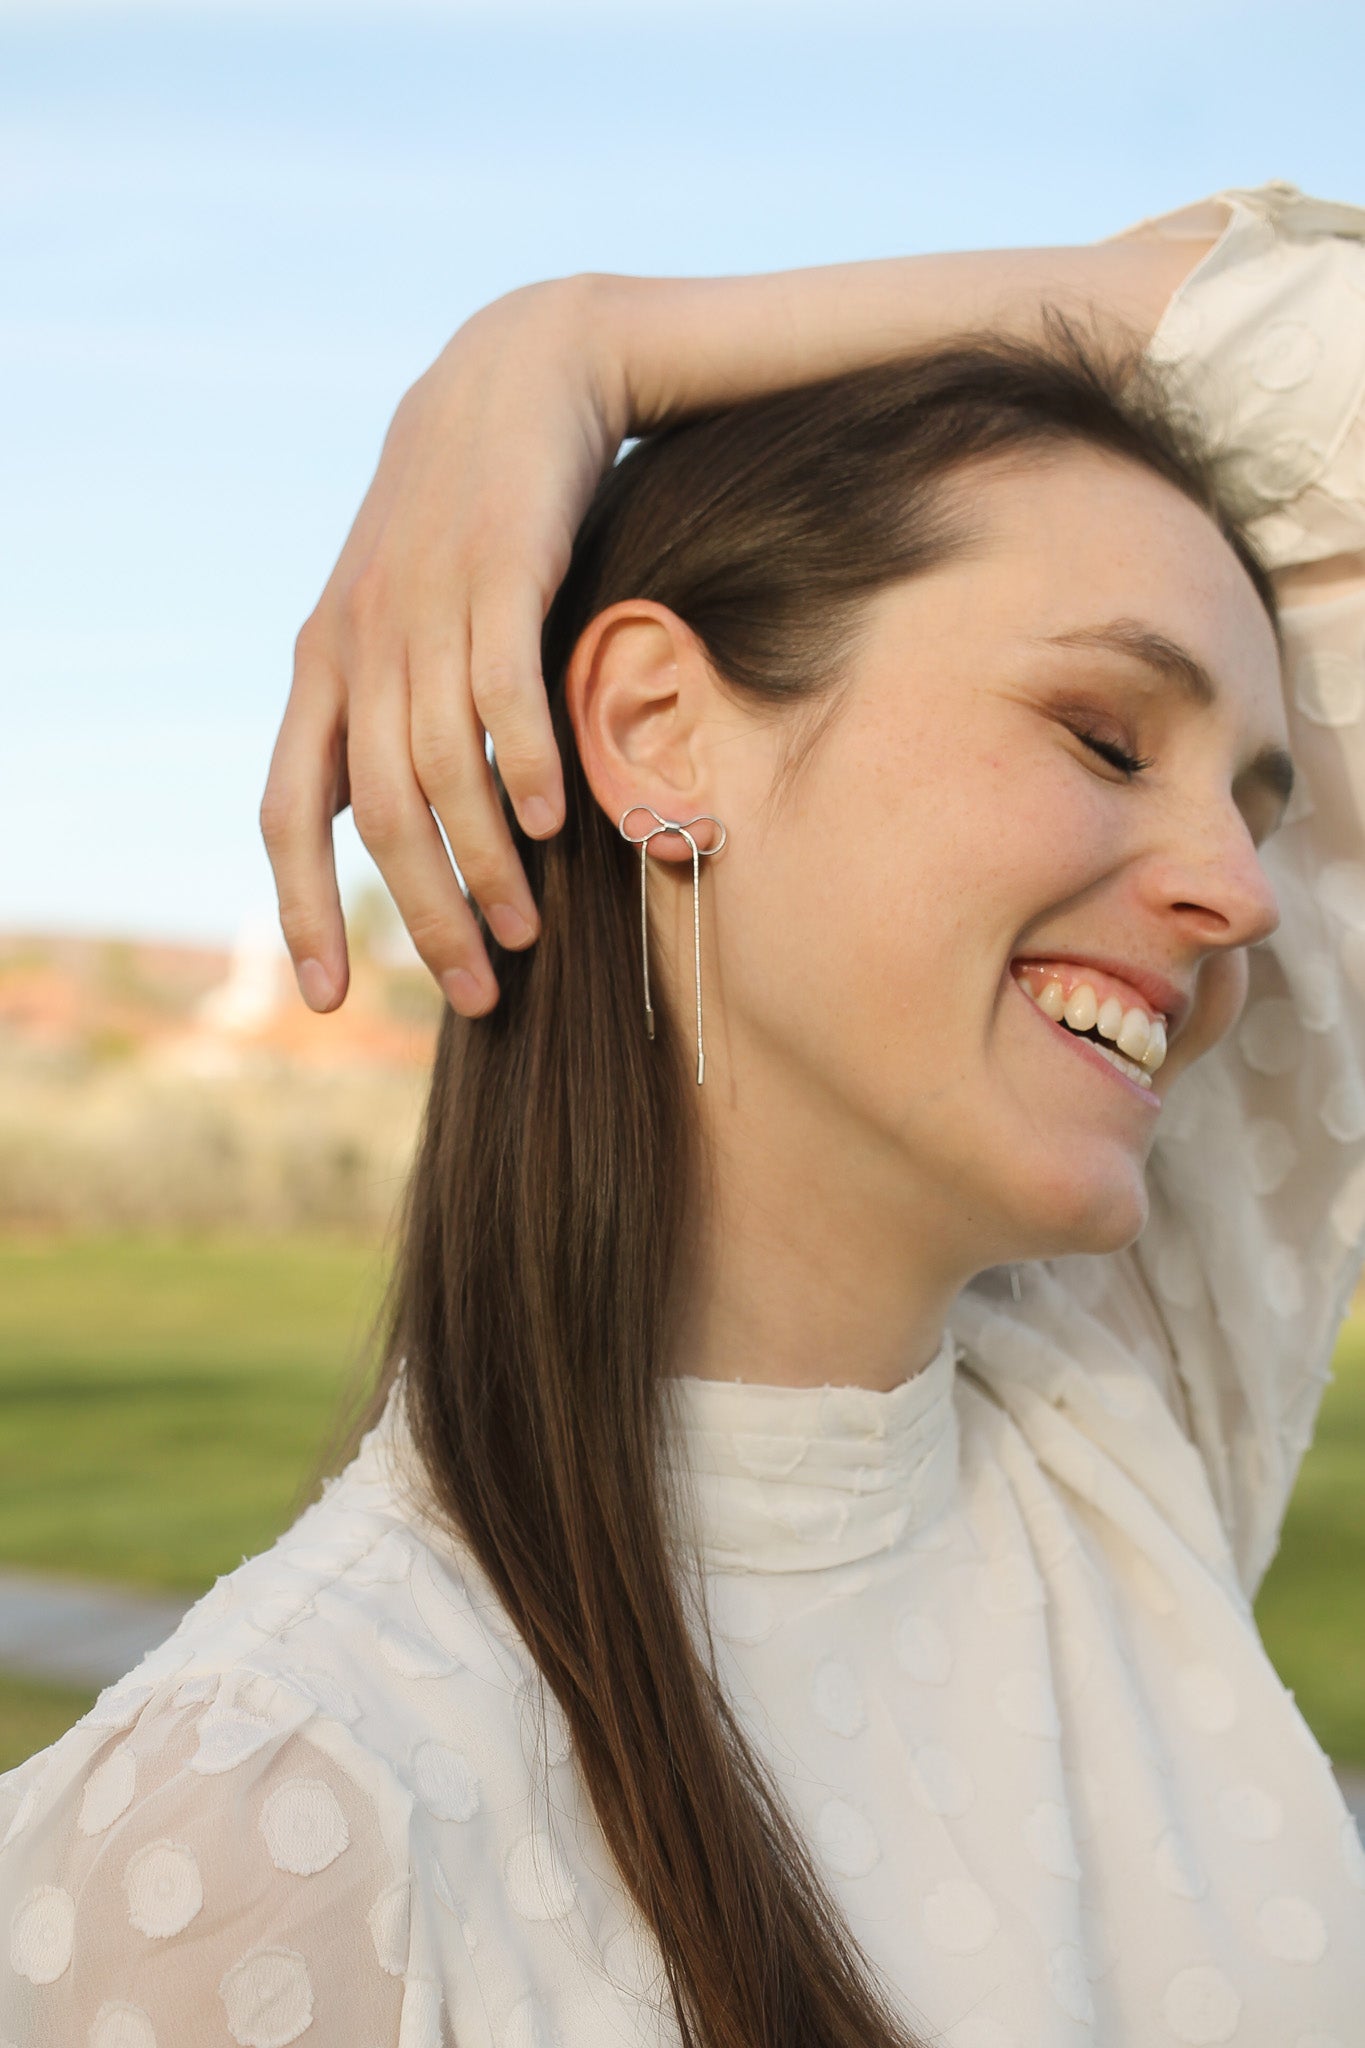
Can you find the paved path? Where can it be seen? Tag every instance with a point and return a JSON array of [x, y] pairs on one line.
[[88, 1635], [77, 1634]]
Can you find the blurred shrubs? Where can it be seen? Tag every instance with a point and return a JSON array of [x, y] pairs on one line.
[[108, 1145]]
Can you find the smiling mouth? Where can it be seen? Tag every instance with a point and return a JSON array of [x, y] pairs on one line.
[[1097, 1055]]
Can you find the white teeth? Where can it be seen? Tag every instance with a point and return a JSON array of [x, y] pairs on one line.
[[1081, 1008], [1128, 1067], [1155, 1055], [1110, 1017], [1133, 1032]]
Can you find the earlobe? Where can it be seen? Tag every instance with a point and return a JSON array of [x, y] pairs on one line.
[[636, 691]]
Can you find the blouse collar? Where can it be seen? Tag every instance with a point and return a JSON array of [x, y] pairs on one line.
[[782, 1479]]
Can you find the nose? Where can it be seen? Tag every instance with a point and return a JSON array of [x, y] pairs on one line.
[[1218, 884]]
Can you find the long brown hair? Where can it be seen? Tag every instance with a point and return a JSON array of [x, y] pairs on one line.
[[557, 1168]]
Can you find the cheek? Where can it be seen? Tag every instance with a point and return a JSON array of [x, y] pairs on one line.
[[878, 936], [912, 860], [901, 872]]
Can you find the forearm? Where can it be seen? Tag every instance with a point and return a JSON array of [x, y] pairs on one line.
[[683, 344]]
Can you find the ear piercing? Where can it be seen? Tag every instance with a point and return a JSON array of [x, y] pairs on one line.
[[642, 841]]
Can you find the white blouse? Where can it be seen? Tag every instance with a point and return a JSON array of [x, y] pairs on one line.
[[990, 1630]]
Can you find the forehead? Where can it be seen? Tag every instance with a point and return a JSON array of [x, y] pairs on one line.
[[1058, 540]]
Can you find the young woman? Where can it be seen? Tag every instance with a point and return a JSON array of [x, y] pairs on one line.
[[866, 1284]]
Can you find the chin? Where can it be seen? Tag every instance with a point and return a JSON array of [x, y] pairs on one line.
[[1103, 1210], [1116, 1233]]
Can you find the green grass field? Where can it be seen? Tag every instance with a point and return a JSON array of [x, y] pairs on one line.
[[32, 1715], [163, 1404], [1311, 1606]]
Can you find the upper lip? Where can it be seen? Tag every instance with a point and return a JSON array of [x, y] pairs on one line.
[[1154, 988]]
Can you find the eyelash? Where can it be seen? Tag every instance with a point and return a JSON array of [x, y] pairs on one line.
[[1130, 765], [1117, 757]]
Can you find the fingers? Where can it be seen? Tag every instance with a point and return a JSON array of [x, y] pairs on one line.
[[304, 790], [509, 695], [451, 765], [394, 821]]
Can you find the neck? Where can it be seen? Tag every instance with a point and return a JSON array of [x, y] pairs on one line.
[[815, 1264]]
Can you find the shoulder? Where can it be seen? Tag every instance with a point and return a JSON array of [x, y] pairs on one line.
[[250, 1816], [367, 1616], [365, 1629]]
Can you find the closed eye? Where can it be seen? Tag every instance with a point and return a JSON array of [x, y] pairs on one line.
[[1117, 757], [1133, 764]]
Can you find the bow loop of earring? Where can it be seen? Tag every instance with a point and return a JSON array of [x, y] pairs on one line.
[[642, 839]]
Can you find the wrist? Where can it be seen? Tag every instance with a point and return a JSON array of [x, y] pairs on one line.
[[593, 309], [618, 330], [580, 320]]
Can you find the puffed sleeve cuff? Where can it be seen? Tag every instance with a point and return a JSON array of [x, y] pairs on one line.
[[1265, 339]]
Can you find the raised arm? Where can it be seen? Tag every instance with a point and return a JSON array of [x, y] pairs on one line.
[[428, 631], [685, 343]]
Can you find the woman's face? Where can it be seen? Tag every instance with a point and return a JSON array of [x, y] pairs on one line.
[[869, 924]]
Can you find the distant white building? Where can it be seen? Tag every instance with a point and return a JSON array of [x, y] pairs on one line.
[[255, 983]]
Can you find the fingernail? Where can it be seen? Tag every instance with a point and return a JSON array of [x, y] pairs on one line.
[[315, 985], [509, 926], [465, 992], [538, 818]]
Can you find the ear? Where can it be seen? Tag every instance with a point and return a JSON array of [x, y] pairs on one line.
[[639, 690]]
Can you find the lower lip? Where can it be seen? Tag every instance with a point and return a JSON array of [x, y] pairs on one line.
[[1148, 1097]]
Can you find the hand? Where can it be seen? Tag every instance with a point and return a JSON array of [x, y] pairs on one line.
[[428, 632]]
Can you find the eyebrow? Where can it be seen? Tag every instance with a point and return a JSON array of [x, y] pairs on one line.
[[1272, 767]]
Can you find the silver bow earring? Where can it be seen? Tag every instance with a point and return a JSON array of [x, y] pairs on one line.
[[673, 825]]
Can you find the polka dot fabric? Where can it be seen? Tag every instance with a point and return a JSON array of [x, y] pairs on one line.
[[990, 1631]]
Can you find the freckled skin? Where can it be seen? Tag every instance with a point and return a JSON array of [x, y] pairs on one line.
[[884, 1116]]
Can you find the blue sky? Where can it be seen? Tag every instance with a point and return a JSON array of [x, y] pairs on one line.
[[229, 238]]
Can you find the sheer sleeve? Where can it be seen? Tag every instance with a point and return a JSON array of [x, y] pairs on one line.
[[1257, 1177], [218, 1863]]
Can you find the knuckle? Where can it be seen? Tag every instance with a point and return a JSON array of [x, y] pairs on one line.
[[367, 598], [276, 817], [429, 935], [300, 925], [496, 687], [308, 643], [524, 759], [483, 546], [378, 811], [485, 871], [439, 759], [439, 939], [481, 882]]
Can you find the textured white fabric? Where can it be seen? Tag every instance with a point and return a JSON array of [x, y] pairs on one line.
[[991, 1630]]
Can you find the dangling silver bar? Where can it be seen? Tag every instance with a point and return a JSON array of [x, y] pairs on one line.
[[673, 825], [644, 939], [696, 942]]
